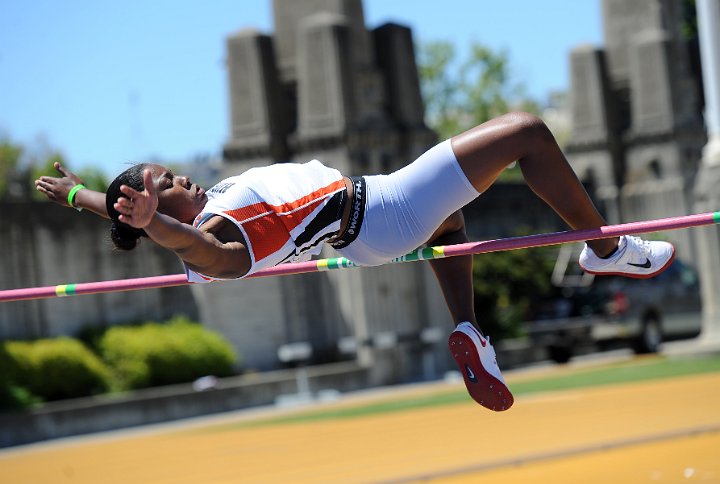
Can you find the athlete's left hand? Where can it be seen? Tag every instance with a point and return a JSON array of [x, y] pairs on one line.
[[138, 208]]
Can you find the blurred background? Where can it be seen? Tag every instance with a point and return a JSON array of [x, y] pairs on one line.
[[629, 89]]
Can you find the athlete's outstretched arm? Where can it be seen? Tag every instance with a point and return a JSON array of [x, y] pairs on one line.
[[58, 188], [201, 251]]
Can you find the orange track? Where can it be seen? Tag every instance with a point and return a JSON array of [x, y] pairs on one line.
[[662, 431]]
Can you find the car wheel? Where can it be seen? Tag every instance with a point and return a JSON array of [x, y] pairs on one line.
[[560, 354], [650, 338]]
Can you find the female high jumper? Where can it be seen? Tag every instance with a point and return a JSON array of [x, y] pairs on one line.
[[286, 211]]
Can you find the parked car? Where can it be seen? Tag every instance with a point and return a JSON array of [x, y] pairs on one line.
[[641, 312]]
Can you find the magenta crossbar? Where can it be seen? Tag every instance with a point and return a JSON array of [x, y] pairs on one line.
[[512, 243]]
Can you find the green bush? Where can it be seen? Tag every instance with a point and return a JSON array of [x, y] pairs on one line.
[[160, 354], [51, 369], [12, 396]]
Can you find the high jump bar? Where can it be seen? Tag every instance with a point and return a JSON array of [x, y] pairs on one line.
[[427, 253]]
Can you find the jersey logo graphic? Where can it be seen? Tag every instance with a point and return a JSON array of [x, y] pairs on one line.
[[221, 188]]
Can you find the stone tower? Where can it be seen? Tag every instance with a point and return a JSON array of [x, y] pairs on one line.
[[324, 86], [637, 114]]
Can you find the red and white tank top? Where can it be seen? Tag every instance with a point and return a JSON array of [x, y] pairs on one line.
[[285, 211]]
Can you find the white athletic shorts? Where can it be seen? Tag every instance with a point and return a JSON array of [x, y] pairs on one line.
[[403, 209]]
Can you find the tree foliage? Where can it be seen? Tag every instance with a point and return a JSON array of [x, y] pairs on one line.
[[462, 93], [20, 166], [94, 178], [688, 23], [508, 285], [10, 154]]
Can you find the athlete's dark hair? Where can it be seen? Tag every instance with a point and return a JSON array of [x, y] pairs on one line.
[[124, 236]]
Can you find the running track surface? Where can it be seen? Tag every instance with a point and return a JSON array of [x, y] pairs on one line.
[[657, 431]]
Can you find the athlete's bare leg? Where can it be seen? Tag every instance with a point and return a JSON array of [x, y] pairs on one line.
[[454, 274], [483, 153]]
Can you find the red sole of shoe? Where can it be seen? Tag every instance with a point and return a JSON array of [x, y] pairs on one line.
[[634, 276], [484, 388]]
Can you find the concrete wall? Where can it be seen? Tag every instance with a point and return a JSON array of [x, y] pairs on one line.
[[44, 244], [99, 414]]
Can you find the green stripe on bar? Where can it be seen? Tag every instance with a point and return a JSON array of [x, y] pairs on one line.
[[428, 253], [716, 217], [412, 256], [65, 290], [337, 263], [333, 263], [436, 252]]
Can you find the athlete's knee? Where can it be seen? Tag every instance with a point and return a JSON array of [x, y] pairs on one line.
[[530, 128], [453, 224], [456, 221]]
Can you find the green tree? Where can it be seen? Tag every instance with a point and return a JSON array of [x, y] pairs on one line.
[[688, 23], [508, 284], [460, 94], [20, 167], [94, 178], [10, 154], [439, 87]]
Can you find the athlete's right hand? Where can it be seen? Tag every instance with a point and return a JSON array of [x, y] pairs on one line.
[[57, 189], [138, 208]]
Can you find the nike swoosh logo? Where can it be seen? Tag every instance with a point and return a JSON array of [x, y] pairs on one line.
[[470, 374], [644, 265], [480, 337]]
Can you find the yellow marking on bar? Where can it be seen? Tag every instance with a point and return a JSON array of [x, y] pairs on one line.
[[322, 264], [61, 290]]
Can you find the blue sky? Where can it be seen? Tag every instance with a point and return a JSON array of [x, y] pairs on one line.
[[107, 83]]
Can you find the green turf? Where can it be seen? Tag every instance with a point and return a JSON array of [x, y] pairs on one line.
[[626, 372], [650, 369]]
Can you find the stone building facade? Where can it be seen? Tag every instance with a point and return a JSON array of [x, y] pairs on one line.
[[637, 121]]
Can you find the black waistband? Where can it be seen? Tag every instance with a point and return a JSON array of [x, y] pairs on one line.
[[357, 214]]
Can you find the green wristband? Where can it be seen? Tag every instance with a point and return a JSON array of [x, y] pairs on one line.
[[71, 195]]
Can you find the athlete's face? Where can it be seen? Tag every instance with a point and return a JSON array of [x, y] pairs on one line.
[[178, 197]]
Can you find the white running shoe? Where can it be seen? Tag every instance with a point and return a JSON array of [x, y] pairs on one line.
[[475, 357], [635, 257]]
